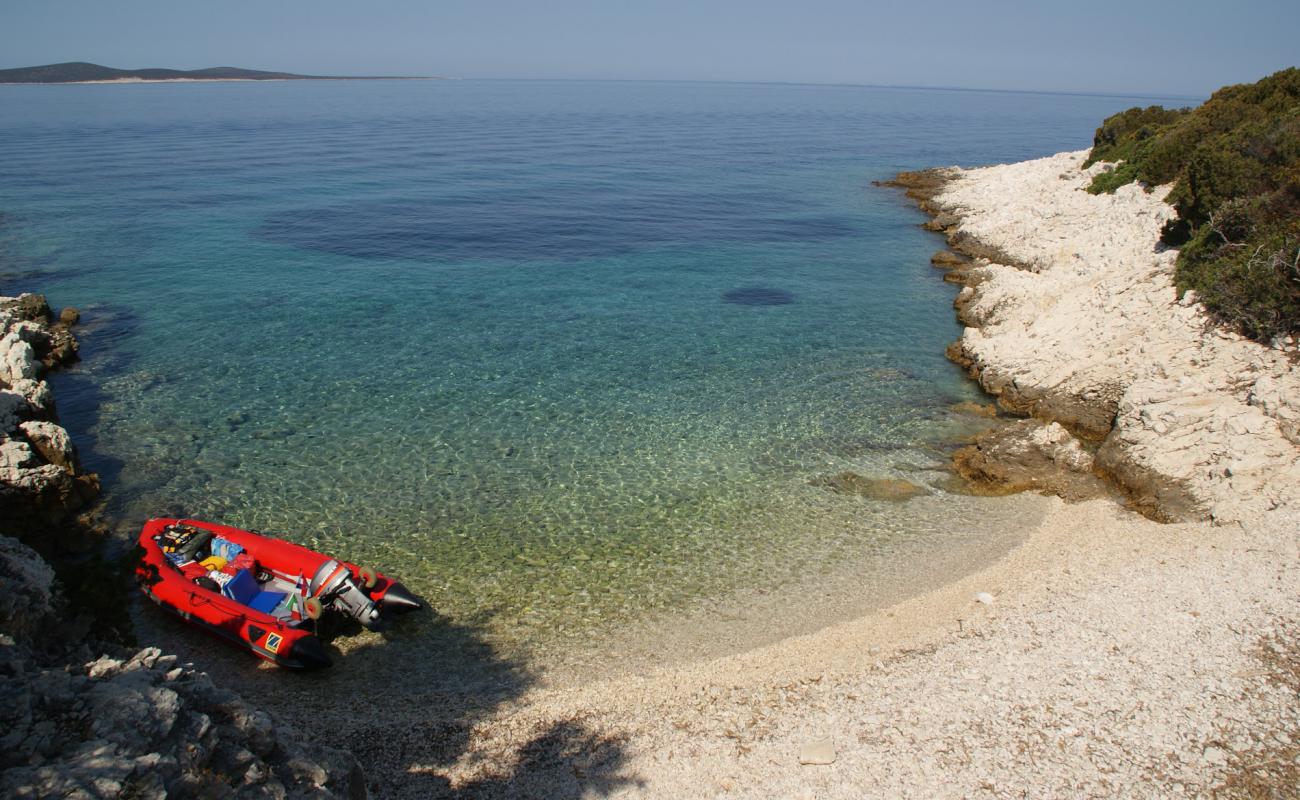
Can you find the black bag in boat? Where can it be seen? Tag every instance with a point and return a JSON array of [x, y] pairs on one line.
[[183, 540]]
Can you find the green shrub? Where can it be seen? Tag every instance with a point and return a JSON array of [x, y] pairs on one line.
[[1124, 173], [1118, 135], [1234, 163]]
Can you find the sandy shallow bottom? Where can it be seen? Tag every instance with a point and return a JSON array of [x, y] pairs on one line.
[[1118, 657]]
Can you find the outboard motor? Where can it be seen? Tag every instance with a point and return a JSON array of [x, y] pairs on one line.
[[334, 586]]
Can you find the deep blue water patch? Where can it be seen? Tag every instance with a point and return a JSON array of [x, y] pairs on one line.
[[560, 223]]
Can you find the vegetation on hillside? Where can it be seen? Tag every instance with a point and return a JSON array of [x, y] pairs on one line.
[[1235, 165]]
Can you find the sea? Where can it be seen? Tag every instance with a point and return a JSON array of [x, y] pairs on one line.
[[567, 357]]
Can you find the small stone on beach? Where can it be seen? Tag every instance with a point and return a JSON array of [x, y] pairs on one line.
[[817, 752], [985, 598]]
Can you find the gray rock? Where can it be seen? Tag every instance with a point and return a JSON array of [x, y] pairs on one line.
[[26, 590], [132, 727]]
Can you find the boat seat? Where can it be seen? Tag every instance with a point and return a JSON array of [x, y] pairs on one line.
[[244, 588]]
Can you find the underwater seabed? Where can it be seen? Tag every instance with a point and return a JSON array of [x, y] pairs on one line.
[[555, 550], [584, 618]]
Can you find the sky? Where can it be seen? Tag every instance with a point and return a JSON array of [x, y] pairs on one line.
[[1183, 48]]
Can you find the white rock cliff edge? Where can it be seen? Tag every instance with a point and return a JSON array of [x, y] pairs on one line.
[[1087, 329]]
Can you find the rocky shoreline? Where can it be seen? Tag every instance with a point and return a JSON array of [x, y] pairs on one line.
[[1073, 320], [42, 485], [86, 716]]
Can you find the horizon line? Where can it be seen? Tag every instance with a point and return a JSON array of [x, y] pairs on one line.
[[834, 84], [840, 84]]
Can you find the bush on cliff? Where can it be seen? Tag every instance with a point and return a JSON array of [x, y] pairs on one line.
[[1235, 165]]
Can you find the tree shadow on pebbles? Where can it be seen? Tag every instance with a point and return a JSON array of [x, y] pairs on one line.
[[426, 711]]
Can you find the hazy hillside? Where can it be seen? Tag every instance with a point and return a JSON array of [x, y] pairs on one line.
[[77, 71]]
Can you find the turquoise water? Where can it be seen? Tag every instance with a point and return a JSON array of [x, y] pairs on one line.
[[557, 353]]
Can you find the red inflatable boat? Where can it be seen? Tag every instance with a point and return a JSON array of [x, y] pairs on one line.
[[259, 592]]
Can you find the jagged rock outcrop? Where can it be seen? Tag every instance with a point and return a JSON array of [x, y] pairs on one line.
[[133, 724], [26, 590], [41, 482], [1028, 455], [1073, 318], [51, 442], [144, 727]]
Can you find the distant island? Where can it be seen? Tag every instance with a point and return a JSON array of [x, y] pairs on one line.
[[85, 72]]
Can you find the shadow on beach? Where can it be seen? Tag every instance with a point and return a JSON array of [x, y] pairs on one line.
[[426, 708]]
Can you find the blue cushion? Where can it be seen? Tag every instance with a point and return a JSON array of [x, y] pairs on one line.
[[266, 602], [242, 588], [225, 548]]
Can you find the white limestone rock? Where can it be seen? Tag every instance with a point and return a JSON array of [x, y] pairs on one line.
[[15, 455], [36, 395], [52, 442], [1198, 422], [17, 359]]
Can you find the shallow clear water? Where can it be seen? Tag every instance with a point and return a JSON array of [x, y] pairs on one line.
[[556, 353]]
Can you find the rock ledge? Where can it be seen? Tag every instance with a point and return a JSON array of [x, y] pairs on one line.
[[1073, 318]]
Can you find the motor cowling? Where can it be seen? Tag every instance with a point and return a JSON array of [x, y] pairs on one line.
[[334, 586]]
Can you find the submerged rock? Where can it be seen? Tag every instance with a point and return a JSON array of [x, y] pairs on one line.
[[890, 374], [758, 296], [975, 409], [890, 489]]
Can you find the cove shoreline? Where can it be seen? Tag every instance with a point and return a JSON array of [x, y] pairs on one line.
[[1106, 654]]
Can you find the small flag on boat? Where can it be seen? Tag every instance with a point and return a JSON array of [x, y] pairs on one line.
[[294, 603]]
